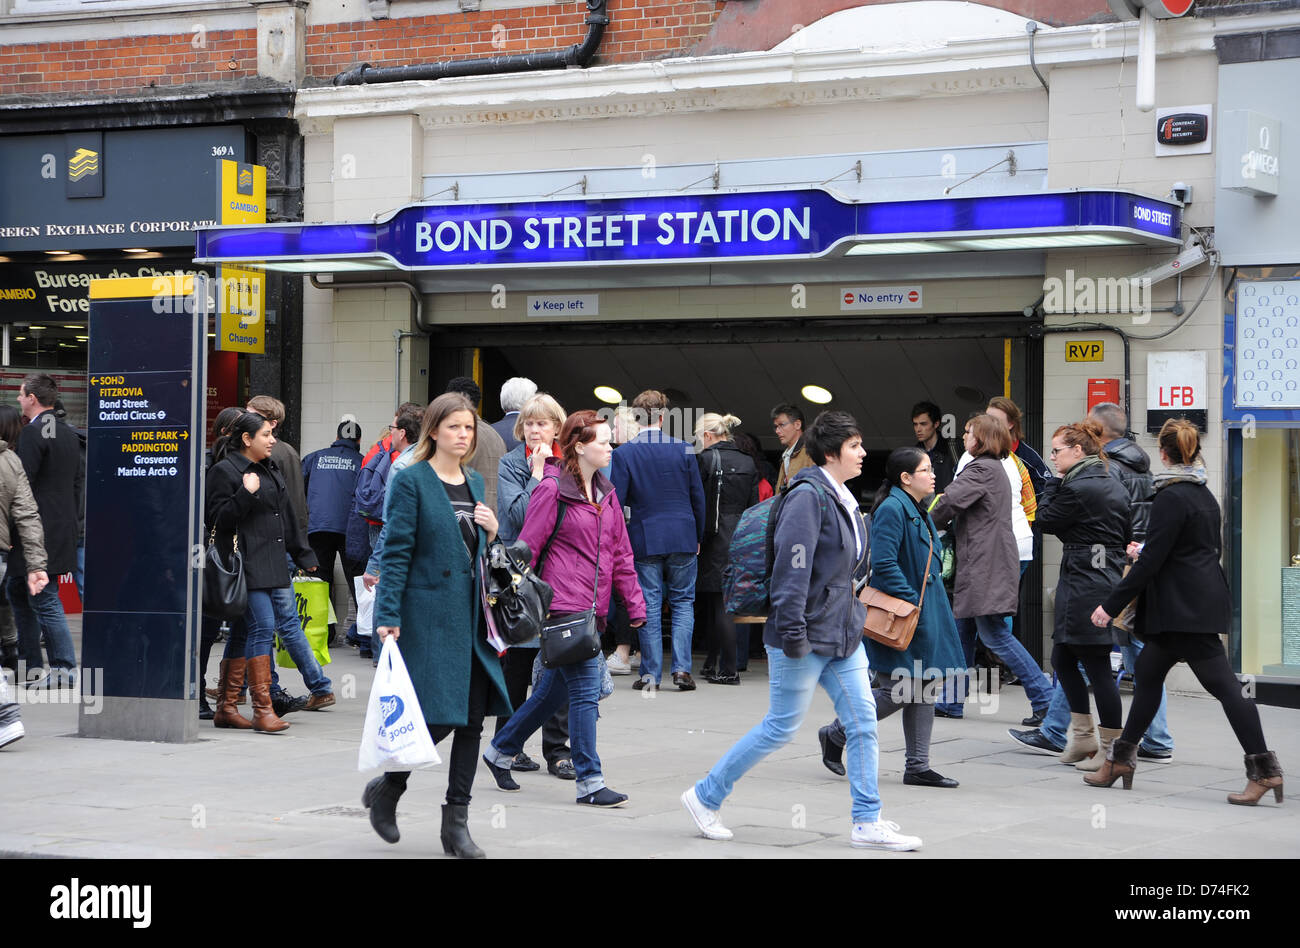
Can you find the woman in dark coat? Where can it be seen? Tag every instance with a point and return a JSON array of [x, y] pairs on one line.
[[211, 626], [431, 597], [1183, 607], [730, 488], [904, 545], [247, 499], [988, 571], [1088, 510]]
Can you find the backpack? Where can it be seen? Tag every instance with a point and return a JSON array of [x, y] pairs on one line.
[[747, 579], [372, 484]]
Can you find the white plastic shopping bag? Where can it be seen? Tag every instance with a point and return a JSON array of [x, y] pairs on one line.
[[395, 736], [365, 610]]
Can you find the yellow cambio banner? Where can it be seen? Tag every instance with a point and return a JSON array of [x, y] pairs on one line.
[[241, 291]]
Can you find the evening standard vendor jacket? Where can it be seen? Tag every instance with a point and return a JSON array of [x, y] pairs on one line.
[[264, 521]]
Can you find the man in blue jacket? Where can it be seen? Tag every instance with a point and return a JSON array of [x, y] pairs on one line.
[[813, 636], [330, 478], [658, 480]]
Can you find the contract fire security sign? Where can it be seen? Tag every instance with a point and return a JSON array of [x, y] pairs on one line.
[[1176, 388]]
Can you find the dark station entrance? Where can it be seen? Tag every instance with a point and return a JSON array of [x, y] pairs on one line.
[[875, 370]]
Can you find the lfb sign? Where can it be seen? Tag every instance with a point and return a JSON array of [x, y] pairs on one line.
[[1176, 388]]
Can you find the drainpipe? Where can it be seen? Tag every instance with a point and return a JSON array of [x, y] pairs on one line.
[[417, 315], [577, 55]]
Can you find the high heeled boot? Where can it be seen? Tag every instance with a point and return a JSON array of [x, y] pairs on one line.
[[259, 688], [380, 798], [1105, 737], [232, 679], [1081, 743], [1120, 763], [455, 833], [1263, 773]]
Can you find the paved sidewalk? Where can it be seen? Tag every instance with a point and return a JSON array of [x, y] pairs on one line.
[[297, 794]]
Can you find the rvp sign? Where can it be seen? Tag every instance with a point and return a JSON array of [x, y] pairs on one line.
[[859, 298], [1085, 350]]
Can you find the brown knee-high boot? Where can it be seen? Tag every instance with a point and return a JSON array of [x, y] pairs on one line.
[[1263, 774], [232, 679], [259, 687]]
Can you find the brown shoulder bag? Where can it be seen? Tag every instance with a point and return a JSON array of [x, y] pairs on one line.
[[892, 621]]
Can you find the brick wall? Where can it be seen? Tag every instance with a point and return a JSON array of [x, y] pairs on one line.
[[124, 64], [639, 30]]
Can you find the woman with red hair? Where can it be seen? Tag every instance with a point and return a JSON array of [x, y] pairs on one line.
[[575, 518]]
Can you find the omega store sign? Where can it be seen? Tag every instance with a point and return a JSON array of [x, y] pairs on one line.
[[108, 190]]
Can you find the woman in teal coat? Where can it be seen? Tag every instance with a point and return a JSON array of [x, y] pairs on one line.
[[901, 537], [431, 596]]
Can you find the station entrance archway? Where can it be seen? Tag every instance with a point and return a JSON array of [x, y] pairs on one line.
[[874, 370]]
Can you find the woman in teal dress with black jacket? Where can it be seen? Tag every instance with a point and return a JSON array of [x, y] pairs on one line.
[[902, 536], [431, 597]]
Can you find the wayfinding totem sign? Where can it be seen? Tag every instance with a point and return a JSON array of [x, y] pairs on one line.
[[144, 505]]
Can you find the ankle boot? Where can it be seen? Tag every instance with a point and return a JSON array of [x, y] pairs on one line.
[[1120, 762], [1081, 744], [232, 678], [1105, 737], [380, 798], [832, 753], [1263, 773], [259, 688], [455, 833]]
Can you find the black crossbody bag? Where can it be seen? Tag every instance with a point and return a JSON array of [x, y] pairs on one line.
[[573, 637]]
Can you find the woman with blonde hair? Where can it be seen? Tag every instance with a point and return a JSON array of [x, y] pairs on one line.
[[1088, 510], [1183, 606], [730, 487], [431, 597], [519, 472]]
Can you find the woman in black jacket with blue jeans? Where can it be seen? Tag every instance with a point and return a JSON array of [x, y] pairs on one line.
[[1183, 606], [1088, 510], [247, 501]]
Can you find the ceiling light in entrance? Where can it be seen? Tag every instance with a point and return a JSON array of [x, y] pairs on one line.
[[896, 246], [816, 394], [610, 396]]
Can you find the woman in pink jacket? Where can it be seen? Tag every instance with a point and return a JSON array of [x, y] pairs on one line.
[[593, 521]]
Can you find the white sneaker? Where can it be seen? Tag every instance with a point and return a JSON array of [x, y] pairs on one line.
[[706, 819], [883, 834], [618, 666], [14, 731]]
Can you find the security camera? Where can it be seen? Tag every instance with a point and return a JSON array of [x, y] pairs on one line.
[[1192, 255], [1180, 192]]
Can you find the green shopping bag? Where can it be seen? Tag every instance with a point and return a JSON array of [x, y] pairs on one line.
[[313, 599]]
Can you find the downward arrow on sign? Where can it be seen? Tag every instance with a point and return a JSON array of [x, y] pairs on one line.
[[537, 306]]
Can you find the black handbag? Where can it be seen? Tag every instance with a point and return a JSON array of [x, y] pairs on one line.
[[518, 597], [572, 637], [225, 592]]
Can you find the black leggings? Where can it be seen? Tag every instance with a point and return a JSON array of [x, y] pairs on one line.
[[719, 634], [1216, 677], [465, 744], [1096, 662]]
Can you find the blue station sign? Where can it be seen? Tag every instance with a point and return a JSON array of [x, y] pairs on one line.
[[671, 228]]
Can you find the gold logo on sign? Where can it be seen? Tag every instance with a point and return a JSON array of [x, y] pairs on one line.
[[84, 162], [245, 178]]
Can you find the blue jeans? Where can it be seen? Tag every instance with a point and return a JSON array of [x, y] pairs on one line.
[[42, 613], [674, 572], [995, 633], [274, 612], [953, 704], [791, 683], [79, 574], [1157, 737], [578, 684]]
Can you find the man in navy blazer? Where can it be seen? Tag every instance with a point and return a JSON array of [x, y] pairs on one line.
[[658, 480]]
